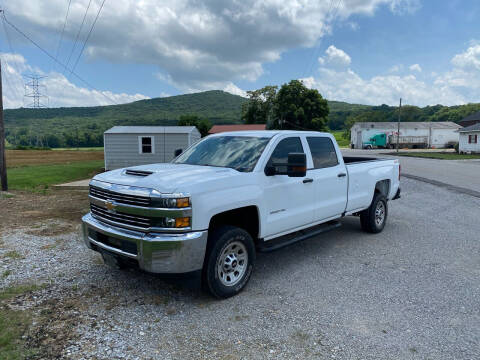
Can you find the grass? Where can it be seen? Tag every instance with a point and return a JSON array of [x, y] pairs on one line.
[[13, 255], [439, 155], [342, 142], [99, 148], [40, 177], [19, 158], [14, 324]]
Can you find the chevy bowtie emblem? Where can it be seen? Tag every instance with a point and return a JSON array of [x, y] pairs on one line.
[[110, 206]]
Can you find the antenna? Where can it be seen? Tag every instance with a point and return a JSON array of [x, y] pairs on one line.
[[35, 91]]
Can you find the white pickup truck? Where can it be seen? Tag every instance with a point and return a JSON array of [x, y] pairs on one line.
[[230, 195]]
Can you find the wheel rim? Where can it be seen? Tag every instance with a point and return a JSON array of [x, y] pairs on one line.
[[232, 263], [380, 213]]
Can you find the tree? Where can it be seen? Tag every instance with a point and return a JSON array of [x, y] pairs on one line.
[[299, 108], [203, 125], [259, 108]]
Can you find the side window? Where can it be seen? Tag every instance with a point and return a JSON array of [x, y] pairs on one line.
[[323, 152], [284, 147], [145, 145]]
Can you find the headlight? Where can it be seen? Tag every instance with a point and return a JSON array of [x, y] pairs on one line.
[[169, 222], [171, 202]]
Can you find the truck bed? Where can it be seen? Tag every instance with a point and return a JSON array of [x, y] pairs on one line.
[[355, 159]]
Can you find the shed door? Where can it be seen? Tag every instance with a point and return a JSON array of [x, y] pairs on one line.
[[359, 144]]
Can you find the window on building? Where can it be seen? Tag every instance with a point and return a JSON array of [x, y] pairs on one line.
[[472, 139], [284, 147], [323, 152], [145, 145]]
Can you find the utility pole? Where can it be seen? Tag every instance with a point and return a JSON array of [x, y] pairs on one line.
[[34, 90], [398, 124], [3, 163]]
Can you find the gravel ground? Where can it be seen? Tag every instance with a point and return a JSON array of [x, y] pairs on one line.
[[411, 292]]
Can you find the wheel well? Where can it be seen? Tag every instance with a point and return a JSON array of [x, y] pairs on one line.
[[245, 218], [383, 187]]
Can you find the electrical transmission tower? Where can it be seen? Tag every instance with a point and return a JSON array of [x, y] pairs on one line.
[[35, 92]]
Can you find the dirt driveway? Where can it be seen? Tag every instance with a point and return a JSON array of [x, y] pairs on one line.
[[411, 292]]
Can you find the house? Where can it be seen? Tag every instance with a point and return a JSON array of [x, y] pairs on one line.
[[421, 134], [470, 120], [224, 128], [469, 140], [138, 145]]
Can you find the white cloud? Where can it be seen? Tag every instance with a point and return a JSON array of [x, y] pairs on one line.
[[469, 59], [335, 57], [395, 68], [415, 67], [196, 44], [459, 85], [405, 6], [235, 90], [60, 91]]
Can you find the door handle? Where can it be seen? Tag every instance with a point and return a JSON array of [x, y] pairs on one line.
[[307, 180], [342, 175]]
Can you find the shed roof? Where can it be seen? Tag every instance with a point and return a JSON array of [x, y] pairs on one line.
[[224, 128], [474, 127], [409, 125], [150, 130], [472, 117]]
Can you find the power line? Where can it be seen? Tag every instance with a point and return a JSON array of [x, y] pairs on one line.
[[78, 33], [54, 59], [316, 51], [33, 90], [88, 36], [63, 29]]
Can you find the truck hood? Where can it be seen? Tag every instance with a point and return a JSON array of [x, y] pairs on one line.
[[167, 178]]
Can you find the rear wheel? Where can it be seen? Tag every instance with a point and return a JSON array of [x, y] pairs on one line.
[[374, 218], [229, 261]]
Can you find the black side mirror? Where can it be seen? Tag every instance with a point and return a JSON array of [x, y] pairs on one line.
[[297, 165], [270, 170], [178, 152]]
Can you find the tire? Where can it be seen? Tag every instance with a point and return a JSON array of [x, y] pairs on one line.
[[374, 218], [223, 273]]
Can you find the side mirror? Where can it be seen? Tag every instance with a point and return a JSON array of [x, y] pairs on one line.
[[270, 170], [297, 165], [178, 152]]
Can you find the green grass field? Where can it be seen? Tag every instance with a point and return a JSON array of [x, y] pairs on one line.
[[41, 177], [438, 155], [342, 142]]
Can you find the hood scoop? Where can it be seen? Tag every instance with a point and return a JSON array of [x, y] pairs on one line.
[[141, 173]]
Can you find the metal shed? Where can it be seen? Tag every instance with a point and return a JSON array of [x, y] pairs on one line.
[[138, 145], [434, 134]]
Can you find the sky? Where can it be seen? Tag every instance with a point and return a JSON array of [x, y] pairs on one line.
[[360, 51]]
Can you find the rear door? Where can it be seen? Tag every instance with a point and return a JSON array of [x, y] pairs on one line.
[[329, 178], [289, 201]]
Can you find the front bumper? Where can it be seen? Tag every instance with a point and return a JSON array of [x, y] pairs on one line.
[[156, 253]]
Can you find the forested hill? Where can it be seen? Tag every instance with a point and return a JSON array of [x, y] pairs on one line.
[[84, 126]]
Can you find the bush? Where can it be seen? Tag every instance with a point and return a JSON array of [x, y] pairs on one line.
[[456, 147], [25, 147]]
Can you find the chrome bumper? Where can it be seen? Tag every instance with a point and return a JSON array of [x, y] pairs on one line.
[[156, 253]]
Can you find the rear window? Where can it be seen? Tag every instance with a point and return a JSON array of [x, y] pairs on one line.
[[323, 152]]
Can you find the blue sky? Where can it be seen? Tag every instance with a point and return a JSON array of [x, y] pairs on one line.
[[362, 51]]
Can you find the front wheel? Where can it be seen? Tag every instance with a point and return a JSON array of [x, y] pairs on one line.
[[374, 218], [229, 261]]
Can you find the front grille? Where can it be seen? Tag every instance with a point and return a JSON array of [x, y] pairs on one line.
[[119, 197], [138, 172], [120, 218]]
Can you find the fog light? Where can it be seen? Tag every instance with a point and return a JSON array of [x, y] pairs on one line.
[[182, 222]]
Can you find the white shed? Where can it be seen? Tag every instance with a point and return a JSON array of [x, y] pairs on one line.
[[138, 145], [433, 134], [469, 141]]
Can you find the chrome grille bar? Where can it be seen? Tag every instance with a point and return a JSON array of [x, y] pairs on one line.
[[121, 218], [119, 197]]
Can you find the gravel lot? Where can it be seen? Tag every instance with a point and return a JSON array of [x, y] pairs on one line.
[[411, 292]]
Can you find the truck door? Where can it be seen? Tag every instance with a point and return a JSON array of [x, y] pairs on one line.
[[289, 201], [329, 178]]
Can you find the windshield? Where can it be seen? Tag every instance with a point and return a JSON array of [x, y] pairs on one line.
[[237, 152]]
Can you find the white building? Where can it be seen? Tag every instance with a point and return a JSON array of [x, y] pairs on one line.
[[433, 134], [139, 145], [469, 141]]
